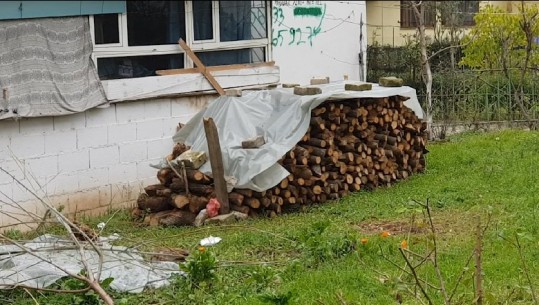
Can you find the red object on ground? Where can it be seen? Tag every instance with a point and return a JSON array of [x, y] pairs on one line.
[[213, 207]]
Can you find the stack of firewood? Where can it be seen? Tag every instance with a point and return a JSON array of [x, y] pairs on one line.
[[350, 145]]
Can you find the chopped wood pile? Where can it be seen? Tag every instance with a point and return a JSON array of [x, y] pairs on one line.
[[350, 145]]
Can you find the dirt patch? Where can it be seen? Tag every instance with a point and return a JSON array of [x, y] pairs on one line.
[[446, 222], [393, 227]]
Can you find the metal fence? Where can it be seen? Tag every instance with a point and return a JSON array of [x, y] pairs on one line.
[[457, 95]]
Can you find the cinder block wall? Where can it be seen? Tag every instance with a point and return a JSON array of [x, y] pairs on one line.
[[91, 161]]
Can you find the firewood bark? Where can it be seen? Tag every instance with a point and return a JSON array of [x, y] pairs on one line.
[[153, 204]]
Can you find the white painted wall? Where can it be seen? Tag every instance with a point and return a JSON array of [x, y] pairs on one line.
[[333, 52], [90, 161]]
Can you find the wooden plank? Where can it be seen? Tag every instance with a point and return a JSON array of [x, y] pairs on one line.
[[201, 68], [154, 86], [215, 68], [216, 162]]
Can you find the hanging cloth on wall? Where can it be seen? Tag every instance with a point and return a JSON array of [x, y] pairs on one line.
[[46, 69]]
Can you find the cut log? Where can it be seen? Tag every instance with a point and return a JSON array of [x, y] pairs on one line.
[[236, 198], [179, 201], [151, 190], [177, 218], [197, 203], [153, 204], [199, 189]]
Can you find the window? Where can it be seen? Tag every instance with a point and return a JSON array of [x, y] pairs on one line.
[[464, 12], [408, 19], [145, 38]]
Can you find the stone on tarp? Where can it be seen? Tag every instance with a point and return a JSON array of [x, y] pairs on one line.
[[320, 80], [307, 90], [254, 142], [390, 81], [193, 159], [358, 87]]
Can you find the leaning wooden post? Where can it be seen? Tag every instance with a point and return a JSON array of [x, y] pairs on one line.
[[216, 161]]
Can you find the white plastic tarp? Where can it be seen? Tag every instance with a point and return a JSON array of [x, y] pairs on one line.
[[280, 116], [52, 255]]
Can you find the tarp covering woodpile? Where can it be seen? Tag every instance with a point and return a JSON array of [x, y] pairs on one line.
[[317, 148], [281, 117]]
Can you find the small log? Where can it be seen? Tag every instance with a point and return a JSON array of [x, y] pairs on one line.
[[236, 198], [199, 189], [179, 201], [197, 203], [153, 204], [244, 192], [242, 209], [252, 202], [151, 190], [177, 218], [165, 176]]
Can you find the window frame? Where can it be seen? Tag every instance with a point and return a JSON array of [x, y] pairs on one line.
[[411, 22], [122, 49]]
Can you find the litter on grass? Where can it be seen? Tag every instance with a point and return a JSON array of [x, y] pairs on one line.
[[51, 255]]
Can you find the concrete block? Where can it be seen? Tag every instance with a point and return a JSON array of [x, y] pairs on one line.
[[93, 177], [28, 145], [144, 170], [233, 92], [83, 200], [94, 212], [104, 156], [358, 87], [70, 122], [290, 85], [132, 111], [18, 170], [390, 81], [38, 125], [105, 196], [157, 108], [158, 149], [6, 192], [307, 90], [9, 128], [60, 141], [20, 193], [74, 161], [119, 193], [149, 130], [100, 116], [122, 173], [189, 106], [63, 183], [319, 80], [92, 137], [42, 166], [5, 143], [120, 133], [135, 189], [133, 151], [60, 202], [169, 127]]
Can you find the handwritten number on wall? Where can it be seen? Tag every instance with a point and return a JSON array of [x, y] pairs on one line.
[[297, 35], [278, 16]]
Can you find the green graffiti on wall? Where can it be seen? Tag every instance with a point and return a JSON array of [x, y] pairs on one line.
[[308, 11]]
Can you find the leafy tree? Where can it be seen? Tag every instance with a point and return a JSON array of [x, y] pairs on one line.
[[507, 43]]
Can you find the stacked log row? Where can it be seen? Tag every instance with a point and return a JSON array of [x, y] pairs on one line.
[[350, 145]]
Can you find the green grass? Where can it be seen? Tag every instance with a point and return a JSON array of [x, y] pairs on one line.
[[316, 257]]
